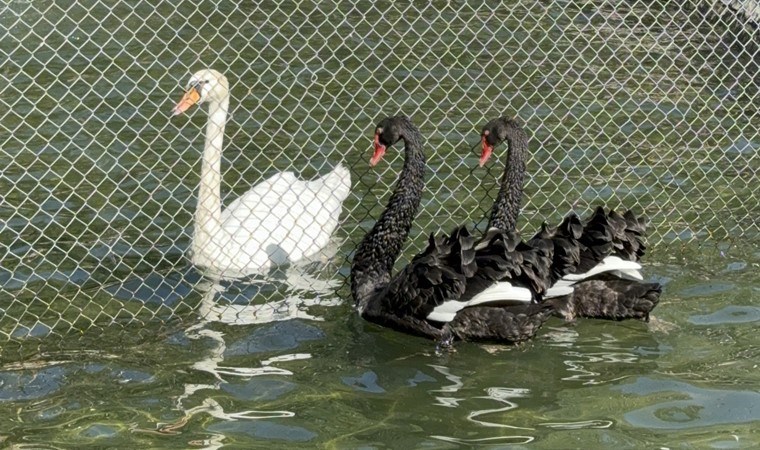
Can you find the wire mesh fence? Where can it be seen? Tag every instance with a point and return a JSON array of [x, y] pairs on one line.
[[645, 105]]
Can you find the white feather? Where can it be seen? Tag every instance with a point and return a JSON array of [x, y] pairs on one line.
[[628, 270], [631, 274], [502, 293], [609, 264], [560, 288]]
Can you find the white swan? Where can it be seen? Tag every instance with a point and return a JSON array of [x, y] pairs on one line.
[[280, 220]]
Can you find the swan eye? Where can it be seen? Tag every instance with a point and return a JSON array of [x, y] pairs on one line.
[[198, 86], [486, 132], [379, 130]]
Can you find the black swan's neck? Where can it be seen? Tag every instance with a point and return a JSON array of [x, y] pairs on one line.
[[374, 258], [506, 208]]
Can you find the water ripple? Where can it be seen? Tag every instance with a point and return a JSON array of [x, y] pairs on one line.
[[706, 289], [729, 314], [264, 430], [367, 382], [501, 395], [511, 440], [702, 408], [16, 386], [578, 425]]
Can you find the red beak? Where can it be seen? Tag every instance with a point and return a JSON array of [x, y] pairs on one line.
[[487, 150], [379, 151]]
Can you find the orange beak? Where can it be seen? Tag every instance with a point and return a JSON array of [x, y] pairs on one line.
[[191, 97]]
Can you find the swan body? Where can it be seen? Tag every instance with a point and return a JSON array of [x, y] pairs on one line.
[[283, 219], [457, 287], [596, 270]]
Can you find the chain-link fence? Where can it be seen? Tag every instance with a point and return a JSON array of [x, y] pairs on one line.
[[649, 105]]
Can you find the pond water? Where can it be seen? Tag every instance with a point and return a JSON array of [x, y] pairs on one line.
[[110, 339], [687, 379]]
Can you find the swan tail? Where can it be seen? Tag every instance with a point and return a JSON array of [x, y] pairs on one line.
[[611, 299], [338, 182], [505, 325]]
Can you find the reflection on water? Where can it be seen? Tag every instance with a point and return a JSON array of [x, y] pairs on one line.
[[488, 440], [501, 395], [579, 425], [366, 382], [579, 363], [313, 382], [298, 278], [456, 384], [296, 370], [701, 407], [507, 400], [30, 385], [728, 315], [231, 303]]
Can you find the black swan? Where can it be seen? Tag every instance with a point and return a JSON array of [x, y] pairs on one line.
[[596, 273], [458, 287]]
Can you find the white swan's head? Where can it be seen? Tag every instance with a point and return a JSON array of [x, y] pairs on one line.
[[204, 85]]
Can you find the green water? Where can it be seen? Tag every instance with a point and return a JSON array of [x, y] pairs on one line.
[[686, 380], [100, 339]]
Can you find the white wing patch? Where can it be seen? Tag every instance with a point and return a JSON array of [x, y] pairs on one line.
[[502, 293], [608, 264], [627, 270], [561, 288]]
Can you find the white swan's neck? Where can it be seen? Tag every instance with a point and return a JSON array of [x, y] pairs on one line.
[[208, 214]]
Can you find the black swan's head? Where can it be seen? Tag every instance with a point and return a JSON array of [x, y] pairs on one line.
[[389, 131], [497, 131]]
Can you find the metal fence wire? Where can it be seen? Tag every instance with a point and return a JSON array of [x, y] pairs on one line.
[[642, 104]]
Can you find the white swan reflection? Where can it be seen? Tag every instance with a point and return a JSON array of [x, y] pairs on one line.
[[297, 277], [299, 280]]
